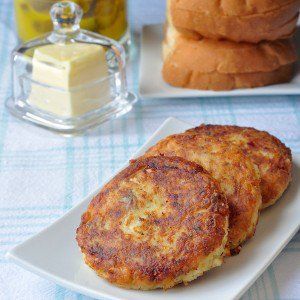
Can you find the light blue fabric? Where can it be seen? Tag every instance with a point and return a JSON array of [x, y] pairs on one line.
[[42, 175]]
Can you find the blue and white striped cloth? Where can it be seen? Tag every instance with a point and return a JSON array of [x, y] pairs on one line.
[[42, 175]]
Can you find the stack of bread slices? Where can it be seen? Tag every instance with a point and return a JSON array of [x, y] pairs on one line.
[[229, 44]]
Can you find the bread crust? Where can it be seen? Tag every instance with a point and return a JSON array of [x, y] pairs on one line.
[[159, 222], [272, 157], [190, 62], [239, 21]]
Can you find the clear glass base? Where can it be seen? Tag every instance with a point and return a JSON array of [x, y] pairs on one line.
[[70, 126]]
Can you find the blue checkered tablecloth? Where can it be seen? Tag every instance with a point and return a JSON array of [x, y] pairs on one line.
[[42, 175]]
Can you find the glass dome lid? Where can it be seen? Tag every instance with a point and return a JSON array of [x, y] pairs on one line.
[[70, 79]]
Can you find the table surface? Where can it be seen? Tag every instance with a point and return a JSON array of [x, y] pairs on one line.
[[42, 175]]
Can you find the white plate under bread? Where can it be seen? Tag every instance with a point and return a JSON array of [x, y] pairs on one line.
[[151, 84]]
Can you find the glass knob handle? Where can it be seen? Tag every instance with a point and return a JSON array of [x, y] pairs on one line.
[[66, 16]]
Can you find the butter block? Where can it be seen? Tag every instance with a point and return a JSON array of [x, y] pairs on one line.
[[69, 80]]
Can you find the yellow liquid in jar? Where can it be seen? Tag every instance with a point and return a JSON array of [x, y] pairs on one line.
[[107, 17]]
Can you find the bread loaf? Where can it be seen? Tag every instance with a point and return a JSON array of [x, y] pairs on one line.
[[200, 63], [237, 20]]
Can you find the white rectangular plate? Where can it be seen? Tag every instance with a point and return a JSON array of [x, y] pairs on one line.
[[152, 85], [54, 254]]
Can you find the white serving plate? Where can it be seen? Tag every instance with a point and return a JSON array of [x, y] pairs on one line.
[[151, 84], [54, 254]]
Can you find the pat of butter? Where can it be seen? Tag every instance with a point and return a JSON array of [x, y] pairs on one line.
[[69, 80]]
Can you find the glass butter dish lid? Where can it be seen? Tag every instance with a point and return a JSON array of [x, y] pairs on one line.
[[70, 79]]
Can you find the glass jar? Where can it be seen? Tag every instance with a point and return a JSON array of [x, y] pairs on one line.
[[107, 17], [69, 80]]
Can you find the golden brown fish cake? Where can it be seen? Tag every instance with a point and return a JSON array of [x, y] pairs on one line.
[[159, 222], [272, 157], [237, 175]]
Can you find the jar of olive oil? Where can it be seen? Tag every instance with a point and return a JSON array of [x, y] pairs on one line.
[[107, 17]]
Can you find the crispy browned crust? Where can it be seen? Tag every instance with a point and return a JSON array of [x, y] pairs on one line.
[[236, 20], [272, 157], [237, 175], [155, 222]]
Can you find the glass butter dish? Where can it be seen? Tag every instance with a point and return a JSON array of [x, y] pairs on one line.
[[70, 79]]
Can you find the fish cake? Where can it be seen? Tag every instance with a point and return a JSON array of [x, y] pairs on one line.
[[159, 222], [272, 157], [237, 175]]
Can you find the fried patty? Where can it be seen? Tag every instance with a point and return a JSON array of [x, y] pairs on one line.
[[159, 222], [272, 157], [238, 177]]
